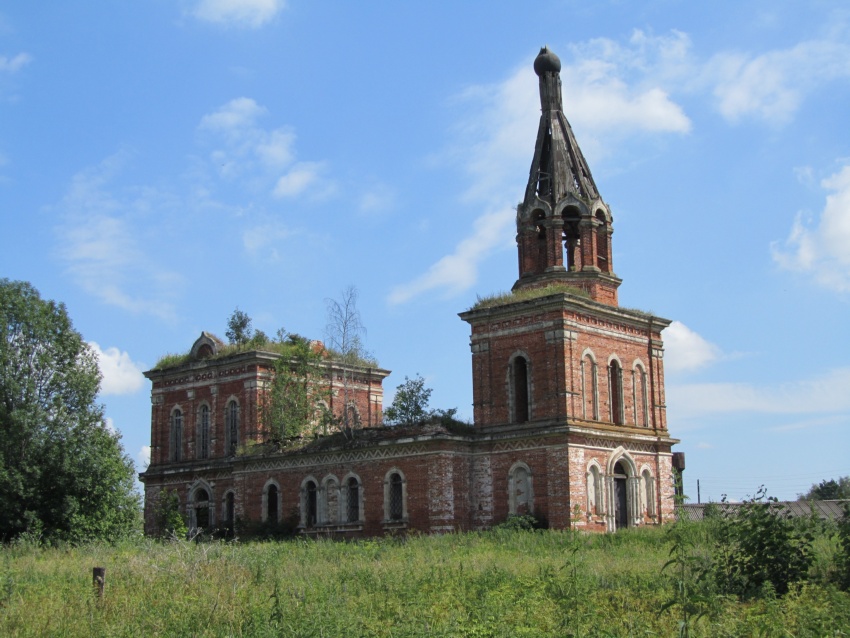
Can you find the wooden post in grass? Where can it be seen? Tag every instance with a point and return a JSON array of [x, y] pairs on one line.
[[98, 579]]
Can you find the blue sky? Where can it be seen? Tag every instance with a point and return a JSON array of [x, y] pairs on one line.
[[164, 162]]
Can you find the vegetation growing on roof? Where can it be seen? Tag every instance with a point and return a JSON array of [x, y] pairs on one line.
[[526, 294]]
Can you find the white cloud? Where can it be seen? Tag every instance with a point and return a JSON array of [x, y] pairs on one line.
[[261, 240], [241, 13], [109, 424], [822, 249], [120, 374], [609, 92], [99, 242], [377, 199], [14, 64], [824, 394], [772, 85], [459, 271], [144, 456], [247, 151], [298, 179], [237, 115], [685, 350]]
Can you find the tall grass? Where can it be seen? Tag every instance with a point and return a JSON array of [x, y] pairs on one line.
[[499, 583]]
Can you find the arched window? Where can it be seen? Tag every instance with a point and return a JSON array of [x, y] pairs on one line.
[[615, 392], [329, 506], [647, 492], [352, 490], [309, 511], [232, 428], [521, 412], [352, 416], [204, 432], [595, 491], [520, 497], [177, 435], [202, 509], [589, 387], [640, 397], [395, 497], [272, 499]]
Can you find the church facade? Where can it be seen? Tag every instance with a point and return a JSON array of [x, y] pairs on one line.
[[568, 399]]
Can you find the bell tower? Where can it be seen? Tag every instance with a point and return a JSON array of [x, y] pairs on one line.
[[564, 227], [568, 387]]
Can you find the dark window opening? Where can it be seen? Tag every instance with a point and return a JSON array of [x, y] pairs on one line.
[[353, 503], [202, 509], [271, 504], [177, 435], [204, 447], [621, 501], [232, 427], [311, 505], [520, 387], [615, 373], [396, 498]]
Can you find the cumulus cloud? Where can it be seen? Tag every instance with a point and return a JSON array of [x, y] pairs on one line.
[[120, 374], [821, 247], [245, 150], [233, 118], [772, 85], [297, 179], [458, 271], [685, 350], [240, 13], [610, 91], [99, 242], [823, 394], [15, 63]]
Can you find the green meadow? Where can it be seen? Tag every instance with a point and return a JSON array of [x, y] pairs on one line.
[[498, 583]]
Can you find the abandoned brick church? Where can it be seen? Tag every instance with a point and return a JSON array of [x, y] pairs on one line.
[[568, 397]]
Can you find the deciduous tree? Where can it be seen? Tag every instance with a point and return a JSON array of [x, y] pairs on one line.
[[63, 473], [410, 403]]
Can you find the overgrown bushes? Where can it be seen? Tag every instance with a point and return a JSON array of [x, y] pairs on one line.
[[498, 583]]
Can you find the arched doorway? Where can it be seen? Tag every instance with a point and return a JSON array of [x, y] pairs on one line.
[[621, 498], [202, 509]]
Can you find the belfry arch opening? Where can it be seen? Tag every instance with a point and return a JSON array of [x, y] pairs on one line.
[[603, 261], [572, 239]]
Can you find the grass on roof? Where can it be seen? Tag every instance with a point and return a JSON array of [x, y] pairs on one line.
[[526, 294], [284, 349]]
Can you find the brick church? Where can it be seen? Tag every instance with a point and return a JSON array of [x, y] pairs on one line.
[[568, 397]]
